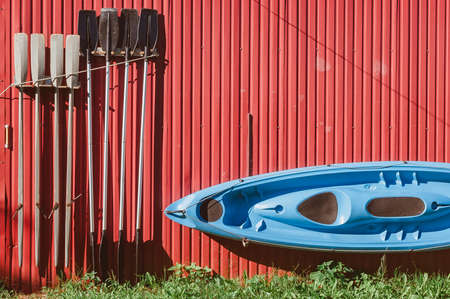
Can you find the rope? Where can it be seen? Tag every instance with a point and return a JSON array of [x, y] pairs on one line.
[[31, 82]]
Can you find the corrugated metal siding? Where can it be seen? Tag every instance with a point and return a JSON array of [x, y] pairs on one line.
[[324, 82]]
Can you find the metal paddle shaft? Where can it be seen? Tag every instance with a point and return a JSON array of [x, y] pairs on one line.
[[20, 76], [147, 39], [37, 74], [56, 72], [128, 37], [108, 37], [72, 67], [87, 29]]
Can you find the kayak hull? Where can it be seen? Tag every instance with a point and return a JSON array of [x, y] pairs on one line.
[[365, 207]]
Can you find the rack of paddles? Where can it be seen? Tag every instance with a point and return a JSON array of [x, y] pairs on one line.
[[125, 39]]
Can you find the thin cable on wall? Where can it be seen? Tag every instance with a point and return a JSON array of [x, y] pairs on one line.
[[64, 75]]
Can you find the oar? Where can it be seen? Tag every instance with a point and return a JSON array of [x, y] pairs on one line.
[[108, 37], [56, 70], [20, 72], [87, 29], [72, 66], [37, 74], [147, 38], [128, 38]]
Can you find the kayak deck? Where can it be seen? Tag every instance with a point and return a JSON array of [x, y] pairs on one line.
[[378, 206]]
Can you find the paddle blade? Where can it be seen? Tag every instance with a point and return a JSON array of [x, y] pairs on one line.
[[37, 46], [128, 26], [72, 59], [20, 57], [108, 29], [56, 58], [87, 29], [148, 29]]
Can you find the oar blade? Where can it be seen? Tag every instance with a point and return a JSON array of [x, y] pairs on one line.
[[20, 57], [72, 60], [128, 28], [88, 31], [37, 46], [148, 29], [108, 29], [56, 58]]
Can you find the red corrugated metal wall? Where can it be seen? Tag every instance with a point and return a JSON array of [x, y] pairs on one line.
[[325, 82]]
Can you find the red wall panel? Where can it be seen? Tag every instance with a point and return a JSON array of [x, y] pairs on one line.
[[323, 81]]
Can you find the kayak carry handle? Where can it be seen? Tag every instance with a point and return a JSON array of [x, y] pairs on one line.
[[435, 205], [174, 212]]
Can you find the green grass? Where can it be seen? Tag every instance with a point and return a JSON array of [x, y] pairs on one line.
[[4, 292], [330, 280]]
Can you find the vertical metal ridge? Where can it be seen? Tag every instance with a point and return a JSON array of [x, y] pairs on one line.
[[367, 82], [357, 80], [185, 107], [293, 95], [414, 149], [376, 75], [423, 83], [281, 149], [403, 85], [440, 81], [205, 116], [196, 118], [176, 125], [386, 74], [431, 79], [320, 87], [338, 93], [302, 84], [272, 87], [310, 147]]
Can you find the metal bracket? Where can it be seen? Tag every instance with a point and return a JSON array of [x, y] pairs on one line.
[[55, 207], [8, 135], [73, 200], [19, 207]]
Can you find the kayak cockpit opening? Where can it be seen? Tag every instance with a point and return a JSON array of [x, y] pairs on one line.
[[321, 208], [396, 206], [210, 210]]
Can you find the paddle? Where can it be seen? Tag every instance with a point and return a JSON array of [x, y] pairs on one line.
[[87, 29], [72, 66], [20, 76], [128, 22], [37, 74], [56, 70], [147, 39], [108, 36]]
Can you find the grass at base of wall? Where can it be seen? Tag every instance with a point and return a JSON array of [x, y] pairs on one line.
[[330, 280]]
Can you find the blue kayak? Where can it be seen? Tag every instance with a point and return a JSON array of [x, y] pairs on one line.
[[372, 206]]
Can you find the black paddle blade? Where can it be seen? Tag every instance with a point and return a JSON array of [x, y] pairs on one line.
[[128, 25], [87, 30], [108, 30], [148, 29]]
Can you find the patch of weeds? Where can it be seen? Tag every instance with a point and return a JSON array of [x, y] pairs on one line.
[[330, 280], [4, 291], [191, 272]]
